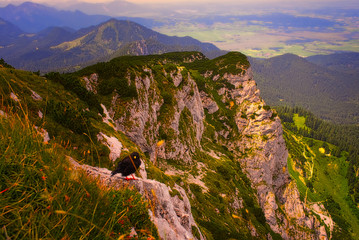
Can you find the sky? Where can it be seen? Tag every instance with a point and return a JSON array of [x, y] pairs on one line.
[[209, 6], [56, 2]]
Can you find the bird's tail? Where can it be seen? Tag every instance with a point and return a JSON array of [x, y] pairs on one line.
[[113, 173]]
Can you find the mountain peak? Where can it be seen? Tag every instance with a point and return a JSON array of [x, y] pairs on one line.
[[28, 7]]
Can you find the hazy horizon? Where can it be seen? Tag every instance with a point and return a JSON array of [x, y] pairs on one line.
[[256, 27], [309, 3]]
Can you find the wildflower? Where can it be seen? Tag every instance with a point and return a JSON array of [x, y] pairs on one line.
[[4, 190], [121, 221], [44, 178], [160, 143], [67, 198]]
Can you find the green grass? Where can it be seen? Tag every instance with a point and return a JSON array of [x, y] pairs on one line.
[[324, 180], [42, 197], [299, 121], [331, 182]]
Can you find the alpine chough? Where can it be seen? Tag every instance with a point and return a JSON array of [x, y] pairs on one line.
[[128, 165]]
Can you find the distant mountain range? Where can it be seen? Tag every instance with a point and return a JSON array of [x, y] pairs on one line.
[[112, 8], [32, 17], [63, 48], [327, 85], [8, 32]]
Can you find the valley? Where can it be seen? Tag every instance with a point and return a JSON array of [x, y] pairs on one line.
[[272, 34]]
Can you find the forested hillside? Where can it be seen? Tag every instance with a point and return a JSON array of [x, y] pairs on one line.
[[289, 80], [346, 62]]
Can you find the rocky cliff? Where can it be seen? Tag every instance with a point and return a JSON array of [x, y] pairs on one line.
[[210, 111], [214, 157], [266, 165]]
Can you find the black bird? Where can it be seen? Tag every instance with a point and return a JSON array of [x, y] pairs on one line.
[[128, 165]]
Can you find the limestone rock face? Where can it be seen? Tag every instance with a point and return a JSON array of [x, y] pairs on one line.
[[194, 104], [177, 78], [208, 103], [266, 166], [140, 119], [113, 144], [171, 214], [91, 82]]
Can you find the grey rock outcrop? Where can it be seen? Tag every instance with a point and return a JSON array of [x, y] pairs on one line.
[[171, 214], [91, 82], [140, 119], [266, 166], [208, 103]]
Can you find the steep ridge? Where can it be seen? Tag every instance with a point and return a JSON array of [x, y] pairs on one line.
[[257, 141], [267, 166], [202, 130]]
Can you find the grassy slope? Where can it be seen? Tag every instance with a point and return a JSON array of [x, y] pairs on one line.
[[299, 121], [321, 177], [41, 196]]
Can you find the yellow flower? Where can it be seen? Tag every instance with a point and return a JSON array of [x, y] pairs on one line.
[[160, 143]]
